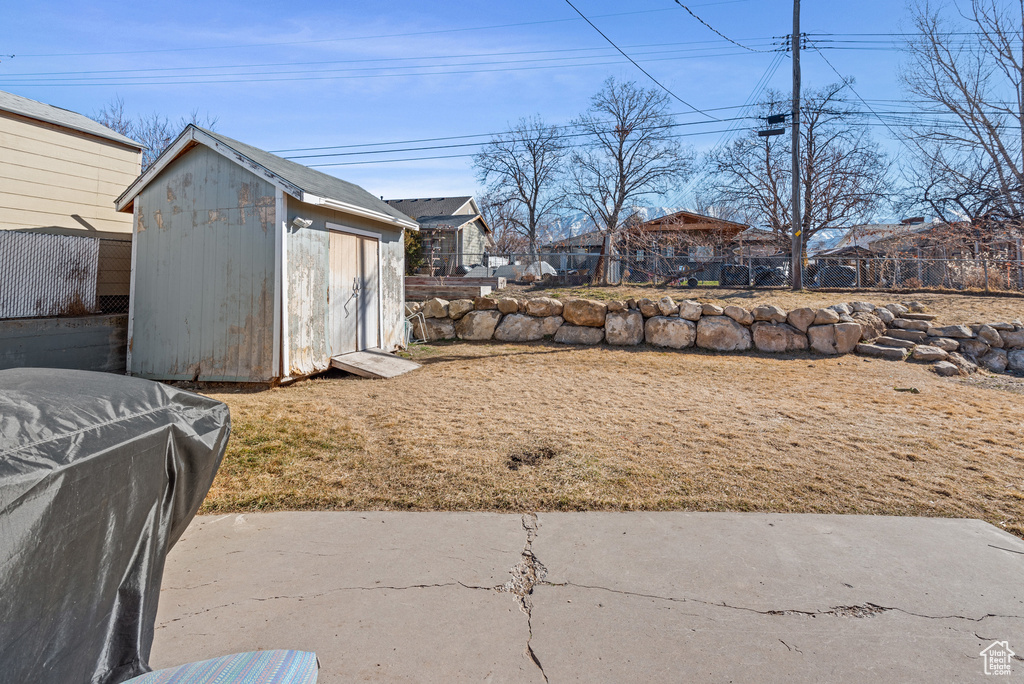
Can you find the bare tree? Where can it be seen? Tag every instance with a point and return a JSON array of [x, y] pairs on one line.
[[522, 166], [155, 131], [970, 146], [629, 152], [845, 175], [506, 225]]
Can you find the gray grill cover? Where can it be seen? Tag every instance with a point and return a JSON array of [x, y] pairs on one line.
[[99, 476]]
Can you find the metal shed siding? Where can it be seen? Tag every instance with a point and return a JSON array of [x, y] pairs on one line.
[[307, 285], [204, 273]]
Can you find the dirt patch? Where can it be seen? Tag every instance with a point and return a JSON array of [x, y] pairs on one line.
[[531, 456], [635, 429]]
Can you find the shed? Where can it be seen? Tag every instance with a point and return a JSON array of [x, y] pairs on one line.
[[247, 267]]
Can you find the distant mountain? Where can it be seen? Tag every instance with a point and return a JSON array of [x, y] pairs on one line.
[[573, 224]]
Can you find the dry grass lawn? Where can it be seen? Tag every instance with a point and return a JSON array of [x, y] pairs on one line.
[[951, 308], [544, 427]]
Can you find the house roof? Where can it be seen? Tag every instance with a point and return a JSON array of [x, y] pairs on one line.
[[594, 238], [688, 220], [301, 182], [429, 206], [447, 221], [65, 118]]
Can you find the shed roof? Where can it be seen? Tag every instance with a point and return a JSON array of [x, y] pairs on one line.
[[301, 182], [65, 118], [429, 206]]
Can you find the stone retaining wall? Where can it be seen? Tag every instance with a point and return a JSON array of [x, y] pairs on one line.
[[895, 331]]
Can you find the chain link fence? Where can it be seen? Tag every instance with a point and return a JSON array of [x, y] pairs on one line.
[[43, 275], [900, 272]]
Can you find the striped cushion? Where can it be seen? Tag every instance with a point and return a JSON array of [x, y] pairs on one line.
[[258, 667]]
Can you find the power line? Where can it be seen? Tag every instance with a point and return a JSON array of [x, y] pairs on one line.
[[94, 82], [714, 30], [129, 79], [660, 85], [352, 38]]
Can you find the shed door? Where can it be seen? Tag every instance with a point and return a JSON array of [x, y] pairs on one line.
[[353, 294]]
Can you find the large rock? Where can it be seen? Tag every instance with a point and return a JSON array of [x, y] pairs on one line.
[[434, 329], [947, 344], [838, 338], [478, 326], [525, 328], [871, 325], [485, 304], [825, 317], [886, 315], [769, 312], [919, 316], [722, 333], [739, 314], [579, 334], [907, 324], [624, 328], [945, 369], [915, 307], [677, 333], [712, 310], [916, 336], [413, 308], [862, 307], [459, 308], [690, 310], [842, 309], [887, 341], [435, 308], [926, 353], [542, 307], [963, 363], [648, 307], [777, 338], [584, 312], [996, 360], [667, 307], [990, 336], [1015, 360], [617, 305], [960, 332], [1012, 340], [974, 348], [507, 305], [897, 309], [879, 352], [801, 319]]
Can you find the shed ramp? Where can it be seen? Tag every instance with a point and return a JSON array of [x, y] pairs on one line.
[[373, 363]]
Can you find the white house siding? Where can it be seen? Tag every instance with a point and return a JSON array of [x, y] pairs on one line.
[[49, 175], [308, 251], [203, 303]]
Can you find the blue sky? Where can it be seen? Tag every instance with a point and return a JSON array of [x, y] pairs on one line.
[[296, 75]]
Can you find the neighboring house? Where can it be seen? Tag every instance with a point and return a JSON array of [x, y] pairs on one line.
[[250, 267], [60, 173], [451, 228]]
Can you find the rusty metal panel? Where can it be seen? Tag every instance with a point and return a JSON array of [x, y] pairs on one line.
[[47, 275], [204, 273]]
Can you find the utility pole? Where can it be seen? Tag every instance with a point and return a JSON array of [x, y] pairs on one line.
[[796, 265]]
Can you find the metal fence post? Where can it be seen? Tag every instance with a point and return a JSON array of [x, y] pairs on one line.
[[1020, 266], [984, 263], [858, 273]]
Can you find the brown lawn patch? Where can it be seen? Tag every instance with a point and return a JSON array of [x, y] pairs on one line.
[[616, 429]]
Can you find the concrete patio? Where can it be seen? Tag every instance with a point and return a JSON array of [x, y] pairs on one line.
[[598, 597]]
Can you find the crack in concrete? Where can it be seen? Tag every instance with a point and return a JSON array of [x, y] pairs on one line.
[[864, 610], [526, 574]]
